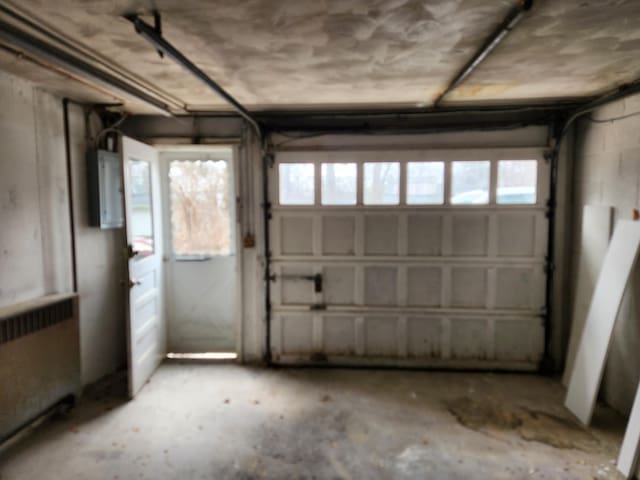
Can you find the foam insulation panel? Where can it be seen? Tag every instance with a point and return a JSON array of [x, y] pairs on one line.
[[595, 234], [586, 375], [354, 53]]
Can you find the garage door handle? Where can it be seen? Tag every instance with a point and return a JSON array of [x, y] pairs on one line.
[[316, 279]]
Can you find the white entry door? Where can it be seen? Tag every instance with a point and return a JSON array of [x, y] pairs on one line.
[[146, 335], [409, 257]]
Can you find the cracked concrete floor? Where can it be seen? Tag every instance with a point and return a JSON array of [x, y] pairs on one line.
[[204, 421]]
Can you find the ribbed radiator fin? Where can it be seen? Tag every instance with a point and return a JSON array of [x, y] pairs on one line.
[[23, 324]]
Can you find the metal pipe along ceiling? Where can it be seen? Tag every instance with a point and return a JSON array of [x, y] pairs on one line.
[[81, 52], [512, 19], [75, 66], [153, 36]]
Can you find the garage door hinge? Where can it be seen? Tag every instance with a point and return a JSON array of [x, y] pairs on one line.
[[549, 267], [269, 155], [267, 207], [551, 208]]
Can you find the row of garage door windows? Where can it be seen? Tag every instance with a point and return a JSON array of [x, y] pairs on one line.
[[425, 183]]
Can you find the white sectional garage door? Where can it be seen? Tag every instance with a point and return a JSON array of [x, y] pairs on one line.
[[426, 258]]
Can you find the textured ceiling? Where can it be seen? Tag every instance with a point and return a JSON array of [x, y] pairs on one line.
[[354, 53], [564, 48]]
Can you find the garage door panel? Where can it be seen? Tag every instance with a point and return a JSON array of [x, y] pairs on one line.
[[413, 340], [381, 235], [470, 234], [470, 339], [519, 340], [296, 235], [468, 287], [516, 288], [339, 285], [516, 234], [380, 285], [297, 335], [339, 336], [424, 234], [381, 336], [295, 290], [438, 284], [338, 235], [541, 233], [424, 337], [424, 286]]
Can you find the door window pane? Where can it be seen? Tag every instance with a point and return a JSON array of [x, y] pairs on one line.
[[141, 208], [425, 183], [297, 184], [339, 184], [382, 183], [200, 218], [517, 180], [470, 183]]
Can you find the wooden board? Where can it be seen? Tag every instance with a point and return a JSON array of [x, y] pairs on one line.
[[605, 304], [594, 240], [628, 458]]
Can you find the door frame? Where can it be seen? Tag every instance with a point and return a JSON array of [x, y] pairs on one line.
[[163, 162]]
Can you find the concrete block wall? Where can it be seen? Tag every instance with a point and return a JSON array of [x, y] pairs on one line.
[[607, 172]]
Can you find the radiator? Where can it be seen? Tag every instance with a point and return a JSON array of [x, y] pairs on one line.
[[39, 359]]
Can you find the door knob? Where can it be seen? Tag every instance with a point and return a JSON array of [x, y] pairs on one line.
[[133, 283]]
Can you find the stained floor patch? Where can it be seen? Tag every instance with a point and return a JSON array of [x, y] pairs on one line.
[[531, 425]]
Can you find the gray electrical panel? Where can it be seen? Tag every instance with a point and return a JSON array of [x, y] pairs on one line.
[[105, 189]]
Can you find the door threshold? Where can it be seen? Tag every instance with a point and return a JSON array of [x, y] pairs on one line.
[[224, 356]]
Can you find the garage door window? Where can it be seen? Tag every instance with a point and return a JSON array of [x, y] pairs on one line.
[[381, 183], [517, 181], [296, 184], [425, 183], [339, 185], [470, 183]]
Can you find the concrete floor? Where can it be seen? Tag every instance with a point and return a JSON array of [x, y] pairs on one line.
[[203, 421]]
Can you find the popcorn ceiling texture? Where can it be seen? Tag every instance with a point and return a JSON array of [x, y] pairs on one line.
[[351, 53]]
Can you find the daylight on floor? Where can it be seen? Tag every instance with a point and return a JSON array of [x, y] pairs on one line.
[[363, 239]]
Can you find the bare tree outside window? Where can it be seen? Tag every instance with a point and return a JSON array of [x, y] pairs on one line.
[[381, 183], [200, 218], [339, 183], [297, 183], [425, 183]]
